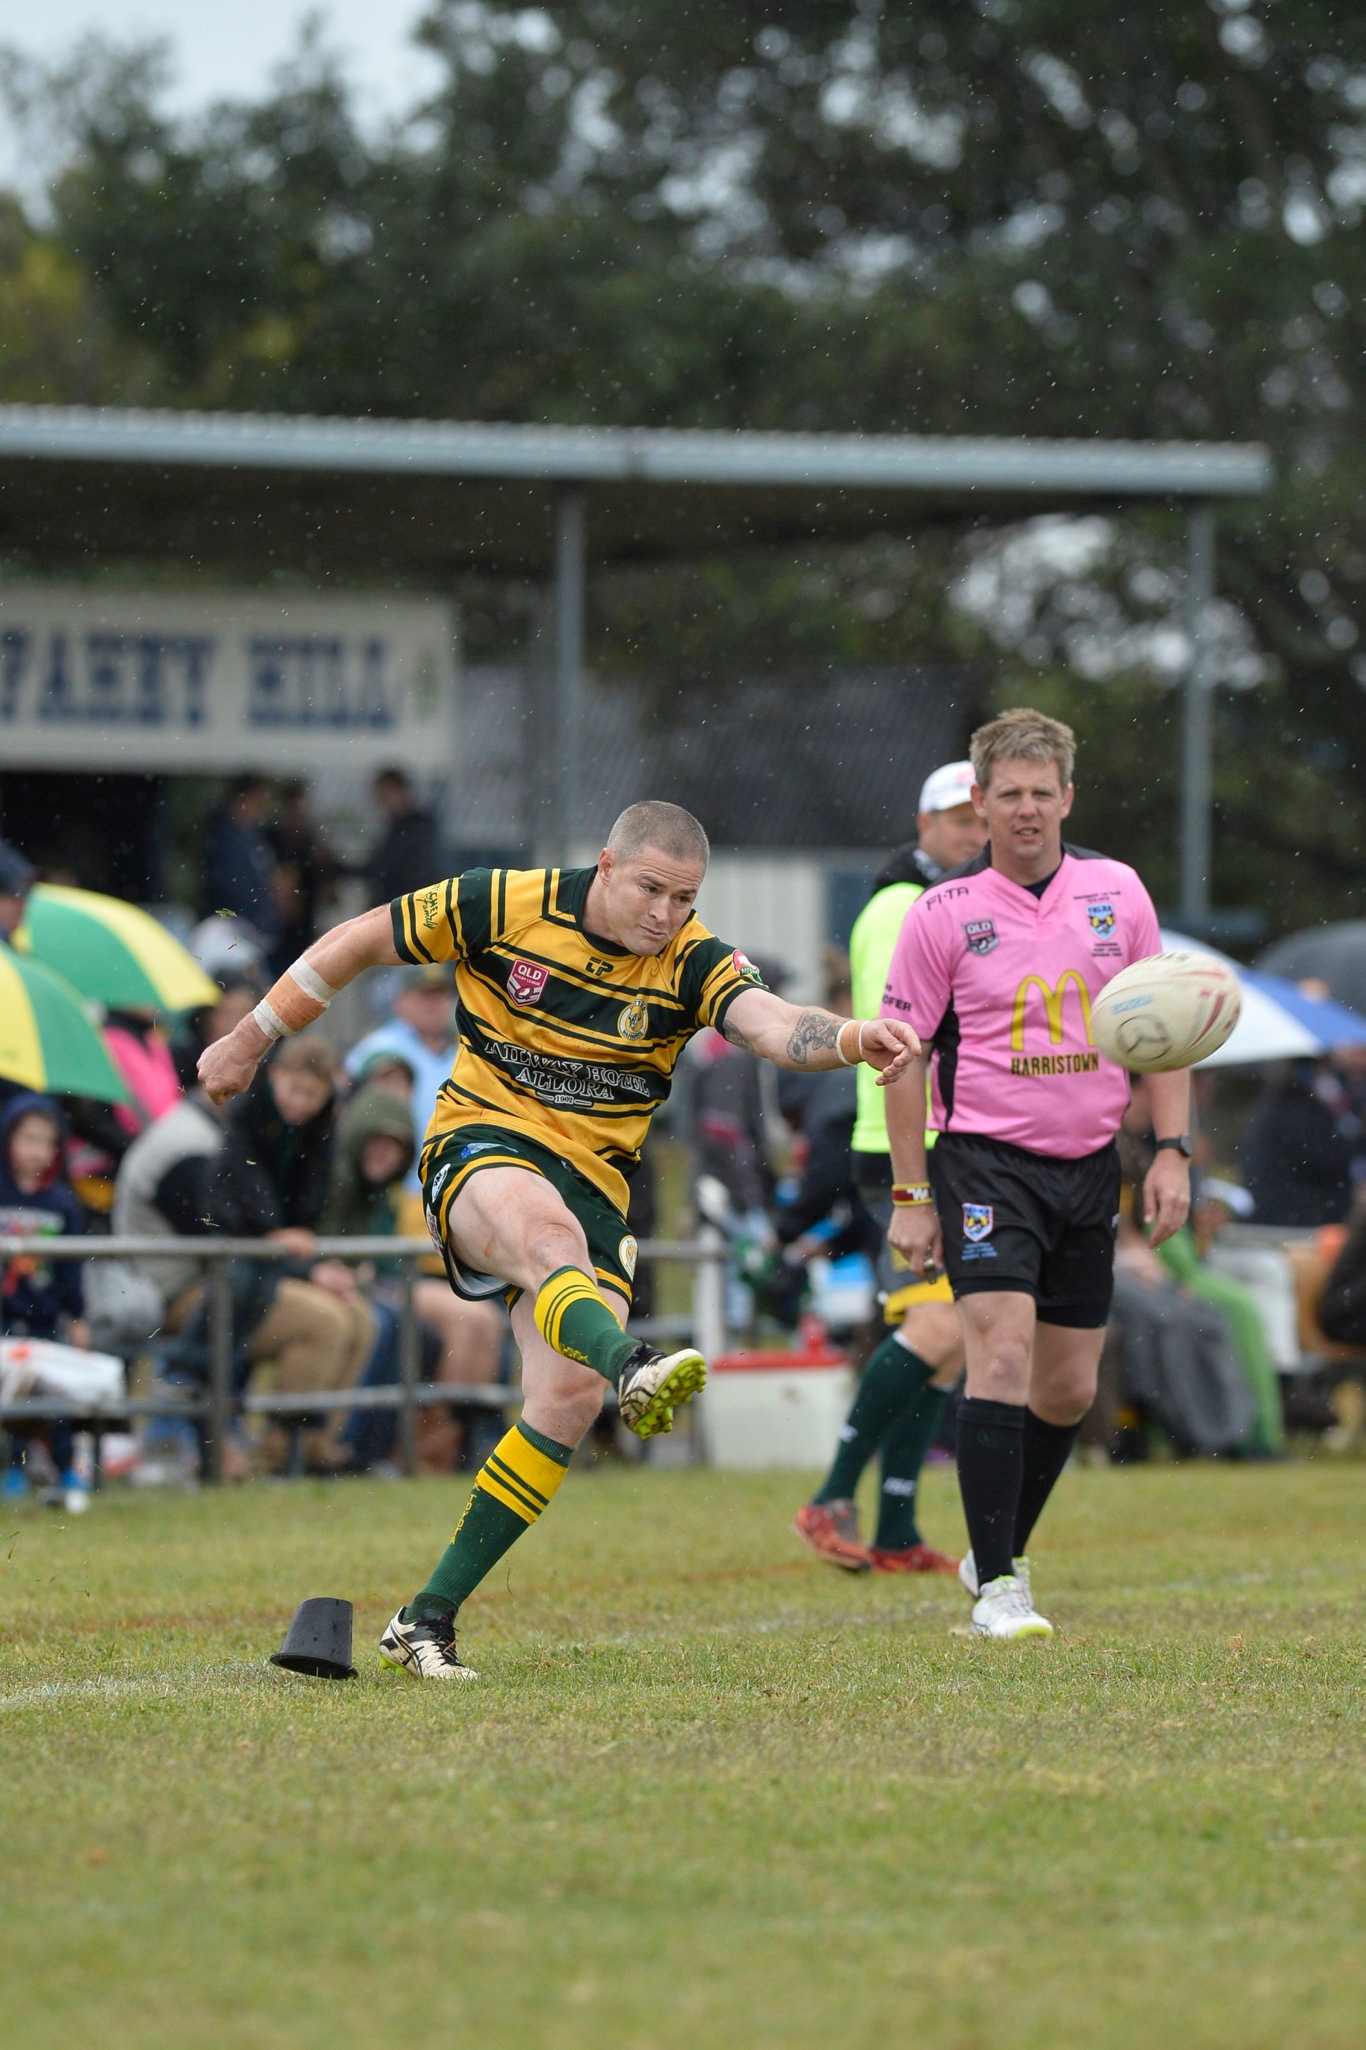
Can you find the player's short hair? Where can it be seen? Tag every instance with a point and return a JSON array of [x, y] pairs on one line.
[[665, 827], [1023, 734]]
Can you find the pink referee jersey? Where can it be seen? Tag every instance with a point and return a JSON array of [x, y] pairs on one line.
[[1001, 982]]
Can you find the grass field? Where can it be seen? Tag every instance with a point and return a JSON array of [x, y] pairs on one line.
[[706, 1792]]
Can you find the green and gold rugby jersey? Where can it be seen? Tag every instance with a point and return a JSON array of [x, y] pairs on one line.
[[565, 1037]]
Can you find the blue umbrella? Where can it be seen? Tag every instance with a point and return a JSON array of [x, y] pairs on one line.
[[1278, 1022]]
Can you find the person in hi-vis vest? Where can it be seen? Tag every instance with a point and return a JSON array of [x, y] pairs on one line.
[[906, 1381]]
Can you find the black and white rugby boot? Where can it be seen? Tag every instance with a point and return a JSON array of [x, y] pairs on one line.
[[425, 1648], [653, 1384]]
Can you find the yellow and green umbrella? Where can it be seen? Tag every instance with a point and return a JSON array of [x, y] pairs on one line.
[[114, 953], [48, 1039]]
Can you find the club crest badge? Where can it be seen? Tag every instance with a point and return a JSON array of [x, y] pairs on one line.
[[978, 1220], [628, 1252], [980, 934], [742, 965], [634, 1022], [1101, 919], [526, 982]]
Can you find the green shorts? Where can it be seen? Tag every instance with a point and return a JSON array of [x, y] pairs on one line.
[[452, 1157]]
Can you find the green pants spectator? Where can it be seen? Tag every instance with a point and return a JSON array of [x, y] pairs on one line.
[[1184, 1264]]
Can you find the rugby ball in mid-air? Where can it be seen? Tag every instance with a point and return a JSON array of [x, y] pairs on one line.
[[1169, 1011]]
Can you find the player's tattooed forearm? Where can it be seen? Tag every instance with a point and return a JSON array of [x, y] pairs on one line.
[[736, 1037], [814, 1032]]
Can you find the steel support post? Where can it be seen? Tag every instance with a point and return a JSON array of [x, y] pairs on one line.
[[709, 1321], [570, 576], [220, 1369], [409, 1370], [1197, 727]]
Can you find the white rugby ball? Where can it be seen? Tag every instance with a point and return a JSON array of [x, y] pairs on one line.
[[1169, 1011]]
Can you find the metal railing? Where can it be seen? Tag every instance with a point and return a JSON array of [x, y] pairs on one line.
[[216, 1407]]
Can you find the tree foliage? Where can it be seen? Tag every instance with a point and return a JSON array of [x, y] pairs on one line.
[[989, 216]]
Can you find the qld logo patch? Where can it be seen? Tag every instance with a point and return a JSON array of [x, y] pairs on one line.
[[981, 935], [978, 1222], [1101, 919], [526, 982]]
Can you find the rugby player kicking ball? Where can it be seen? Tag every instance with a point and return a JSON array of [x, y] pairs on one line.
[[996, 968], [579, 989]]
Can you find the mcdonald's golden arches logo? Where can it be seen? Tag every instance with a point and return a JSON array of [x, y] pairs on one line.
[[1053, 1000]]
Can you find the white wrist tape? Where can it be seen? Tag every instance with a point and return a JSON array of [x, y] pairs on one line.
[[270, 1021], [311, 983], [843, 1057]]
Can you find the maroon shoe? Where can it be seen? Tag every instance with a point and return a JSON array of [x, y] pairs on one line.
[[912, 1559], [831, 1530]]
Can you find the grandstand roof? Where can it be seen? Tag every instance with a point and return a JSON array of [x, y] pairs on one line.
[[426, 498]]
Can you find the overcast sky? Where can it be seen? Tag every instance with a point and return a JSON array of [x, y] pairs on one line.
[[230, 47]]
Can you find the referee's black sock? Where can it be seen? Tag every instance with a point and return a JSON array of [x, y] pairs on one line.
[[1047, 1448], [990, 1471]]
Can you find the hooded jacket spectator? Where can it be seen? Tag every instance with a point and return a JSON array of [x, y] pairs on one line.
[[36, 1297], [270, 1174], [358, 1207]]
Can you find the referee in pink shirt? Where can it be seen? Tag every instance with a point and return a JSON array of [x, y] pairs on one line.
[[997, 968]]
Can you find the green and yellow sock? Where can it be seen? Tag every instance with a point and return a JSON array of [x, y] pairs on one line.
[[573, 1318], [514, 1486]]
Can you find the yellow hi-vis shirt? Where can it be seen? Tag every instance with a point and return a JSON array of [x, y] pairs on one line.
[[871, 946], [564, 1037]]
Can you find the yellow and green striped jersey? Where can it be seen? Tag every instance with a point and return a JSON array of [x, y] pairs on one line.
[[564, 1036]]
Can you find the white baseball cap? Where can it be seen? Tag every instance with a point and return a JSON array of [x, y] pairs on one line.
[[947, 787]]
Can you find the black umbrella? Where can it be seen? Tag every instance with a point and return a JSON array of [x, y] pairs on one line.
[[1332, 954]]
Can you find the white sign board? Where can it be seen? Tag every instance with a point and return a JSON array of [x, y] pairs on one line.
[[275, 683]]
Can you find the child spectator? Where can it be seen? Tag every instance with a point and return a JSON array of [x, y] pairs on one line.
[[38, 1300], [374, 1152]]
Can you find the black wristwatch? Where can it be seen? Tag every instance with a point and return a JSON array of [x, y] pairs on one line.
[[1182, 1145]]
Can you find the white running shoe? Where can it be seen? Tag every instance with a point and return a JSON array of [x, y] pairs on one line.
[[1003, 1609], [653, 1384], [425, 1650], [967, 1574]]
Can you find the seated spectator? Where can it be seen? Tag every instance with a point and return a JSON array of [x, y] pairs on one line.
[[374, 1151], [420, 1032], [174, 1181], [390, 1071], [240, 992], [1342, 1306], [17, 877], [1296, 1155], [103, 1132], [1171, 1356], [1186, 1264], [270, 1179], [38, 1300]]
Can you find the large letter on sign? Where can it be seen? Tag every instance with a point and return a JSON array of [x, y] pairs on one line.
[[1052, 1003]]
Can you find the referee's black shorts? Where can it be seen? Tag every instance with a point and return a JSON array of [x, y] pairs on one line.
[[1029, 1223]]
